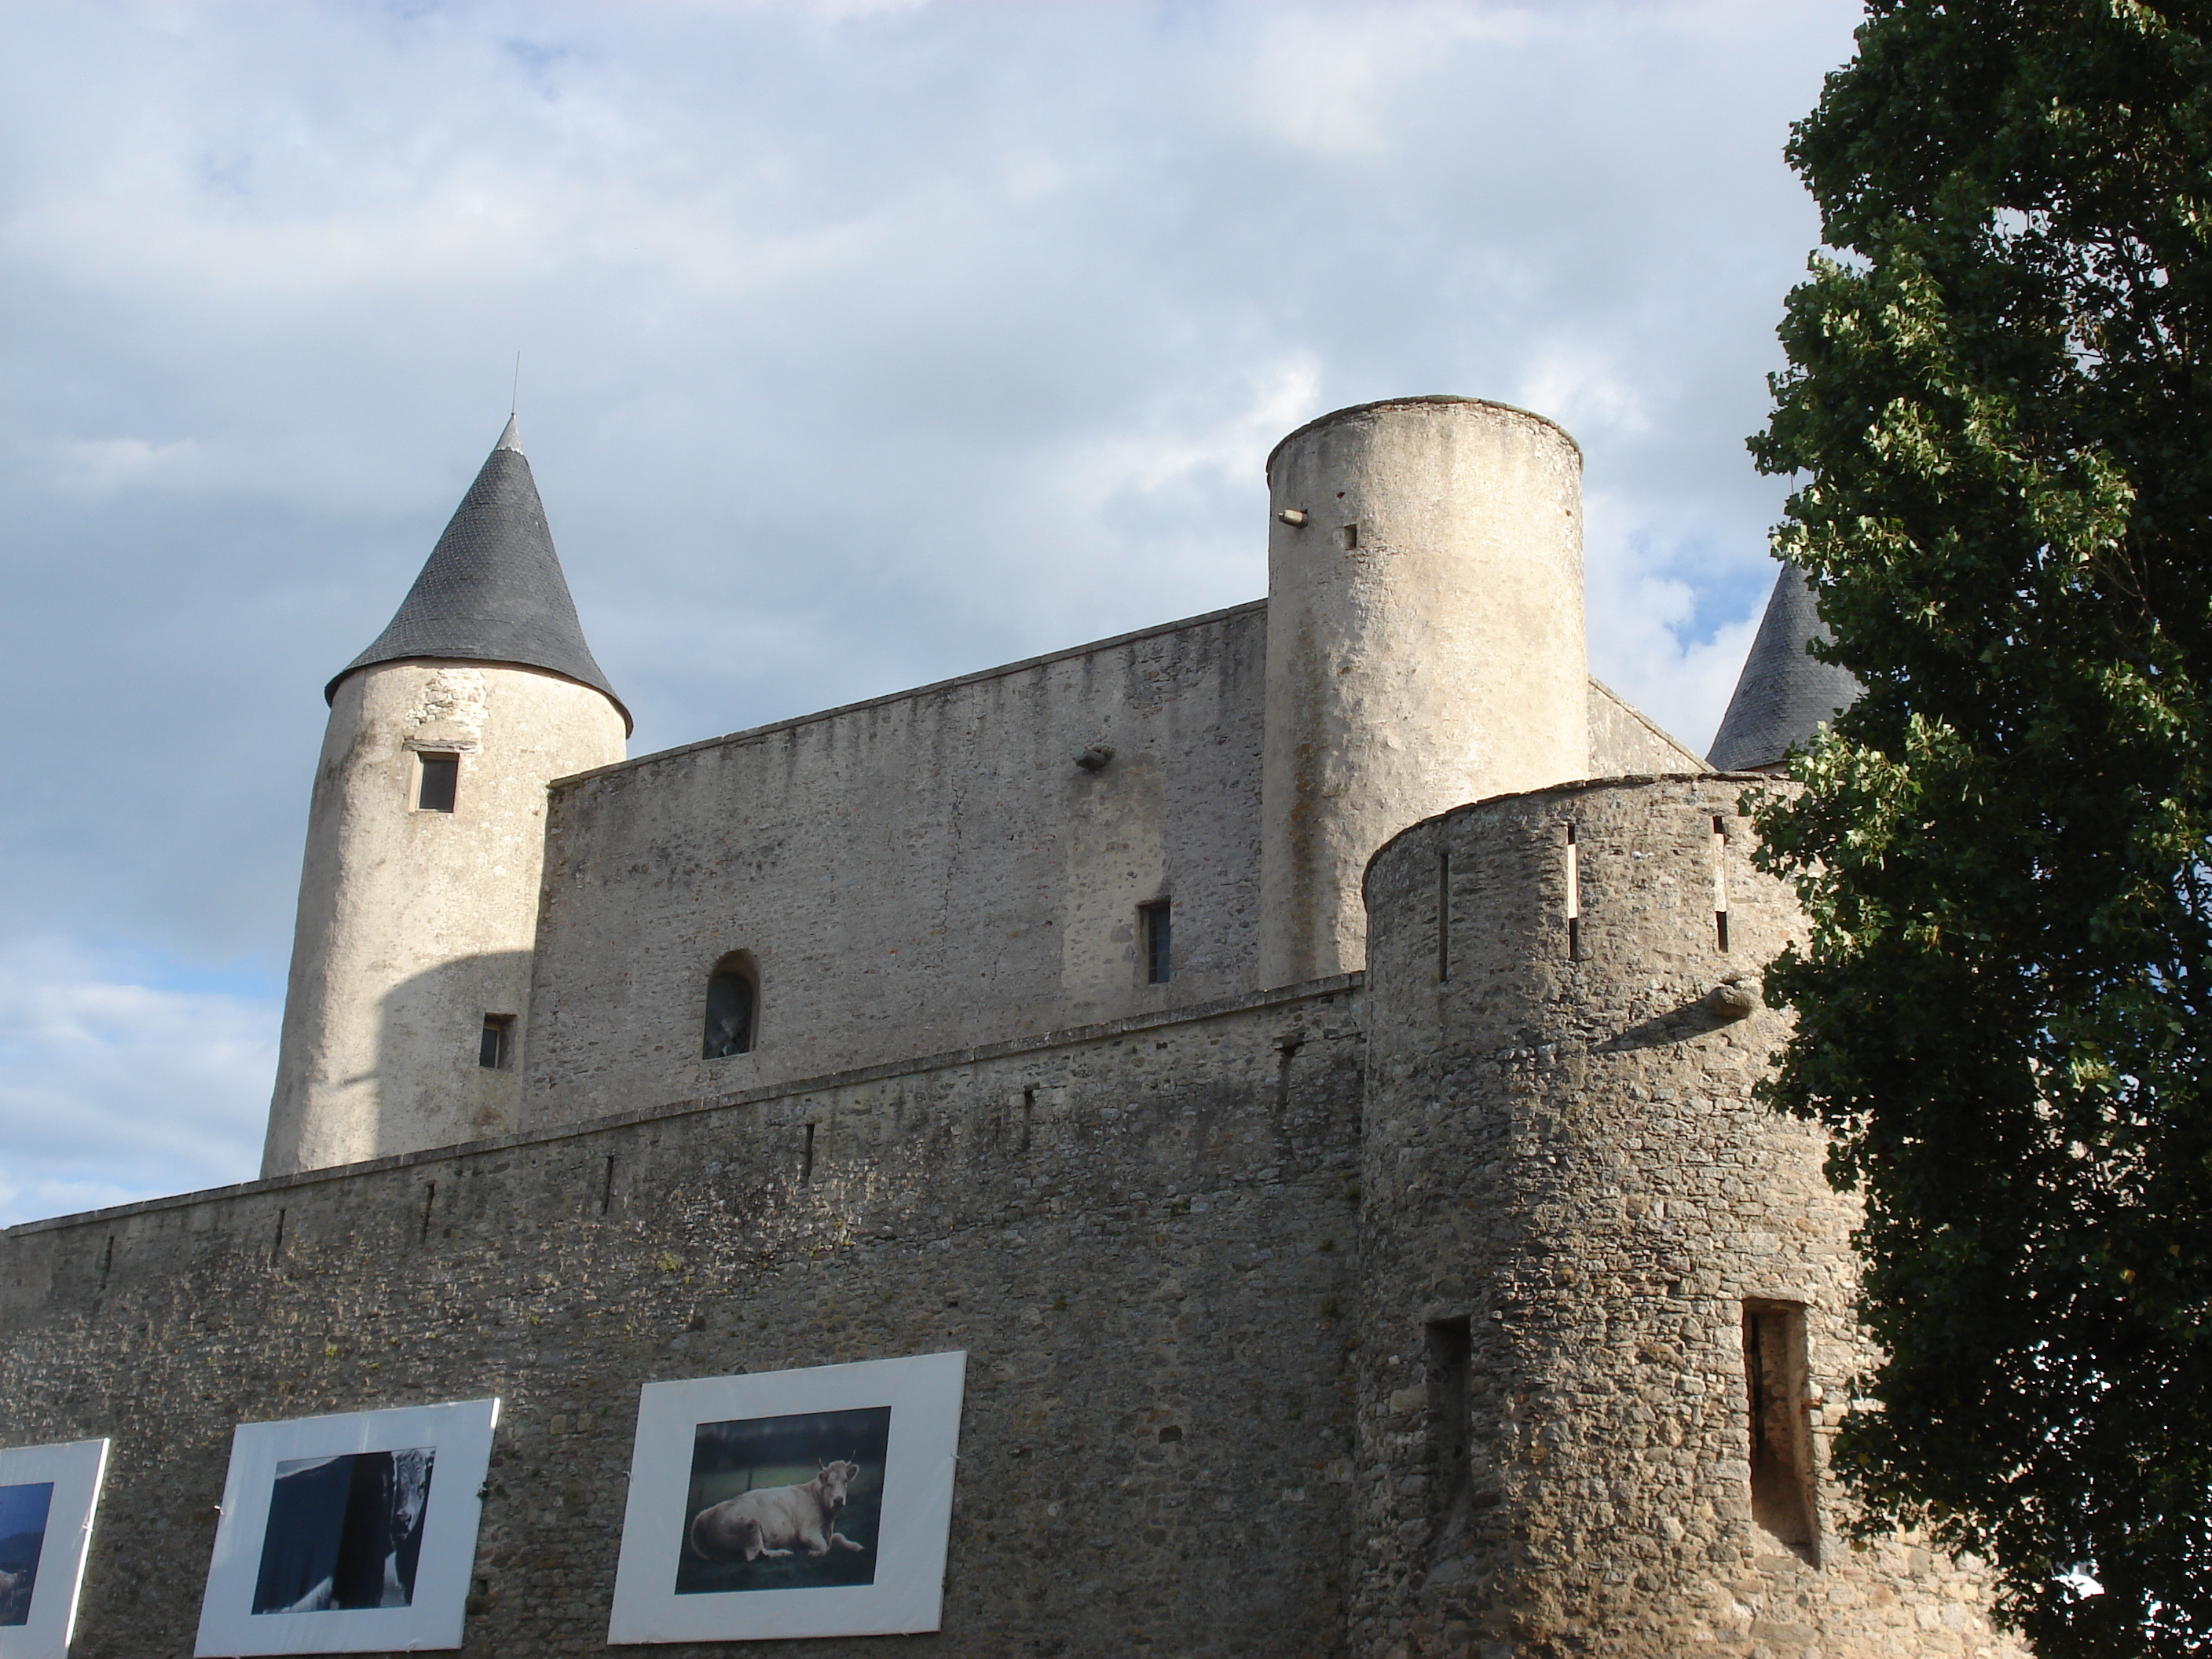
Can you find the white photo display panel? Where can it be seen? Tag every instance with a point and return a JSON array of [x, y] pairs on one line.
[[349, 1534], [47, 1497], [786, 1504]]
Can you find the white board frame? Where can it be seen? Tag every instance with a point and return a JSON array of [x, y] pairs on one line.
[[77, 1468], [924, 1392], [461, 1431]]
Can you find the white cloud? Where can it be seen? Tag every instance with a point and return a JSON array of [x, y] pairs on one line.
[[113, 1089], [98, 465]]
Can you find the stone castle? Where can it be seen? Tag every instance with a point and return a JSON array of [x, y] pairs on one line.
[[1302, 1053]]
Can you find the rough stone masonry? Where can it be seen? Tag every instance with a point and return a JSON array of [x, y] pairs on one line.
[[1387, 1260]]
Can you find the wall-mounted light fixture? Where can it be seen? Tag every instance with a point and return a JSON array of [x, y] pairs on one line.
[[1292, 515]]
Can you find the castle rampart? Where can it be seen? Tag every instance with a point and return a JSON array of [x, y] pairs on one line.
[[926, 871], [1142, 1233], [1606, 1327], [915, 874]]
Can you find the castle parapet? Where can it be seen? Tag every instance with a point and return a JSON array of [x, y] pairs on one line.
[[1607, 1327]]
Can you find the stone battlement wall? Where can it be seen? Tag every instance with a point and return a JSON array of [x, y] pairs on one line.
[[1569, 1198], [1391, 1317], [1142, 1234], [912, 875], [925, 872]]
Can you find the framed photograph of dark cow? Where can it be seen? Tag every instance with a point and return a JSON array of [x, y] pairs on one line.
[[47, 1497], [791, 1503], [348, 1535]]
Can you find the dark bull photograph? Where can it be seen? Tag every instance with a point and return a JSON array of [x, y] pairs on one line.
[[785, 1503], [344, 1531]]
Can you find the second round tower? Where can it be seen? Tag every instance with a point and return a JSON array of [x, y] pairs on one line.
[[1424, 645]]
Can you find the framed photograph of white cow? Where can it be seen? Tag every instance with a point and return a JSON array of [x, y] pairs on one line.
[[47, 1497], [348, 1535], [807, 1503]]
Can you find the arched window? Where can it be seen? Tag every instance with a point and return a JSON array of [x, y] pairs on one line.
[[732, 1006]]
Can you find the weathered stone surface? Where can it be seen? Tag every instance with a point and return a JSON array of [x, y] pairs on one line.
[[1142, 1236], [413, 926], [922, 872], [1381, 1317], [1425, 645], [1195, 1257], [1562, 1151], [1624, 742]]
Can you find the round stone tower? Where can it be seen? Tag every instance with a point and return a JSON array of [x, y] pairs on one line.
[[1606, 1296], [1425, 645], [405, 1013]]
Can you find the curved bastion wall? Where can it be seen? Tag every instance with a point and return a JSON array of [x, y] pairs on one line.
[[1585, 1249]]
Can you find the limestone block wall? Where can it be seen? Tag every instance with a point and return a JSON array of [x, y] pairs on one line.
[[915, 874], [413, 926], [1140, 1233], [1624, 742], [1568, 1200]]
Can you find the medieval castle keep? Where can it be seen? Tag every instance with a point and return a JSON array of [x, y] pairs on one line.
[[1303, 1055]]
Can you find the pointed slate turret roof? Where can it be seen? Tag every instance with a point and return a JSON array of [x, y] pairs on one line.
[[1783, 694], [492, 590]]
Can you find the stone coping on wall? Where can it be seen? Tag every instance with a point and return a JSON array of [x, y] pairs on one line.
[[1283, 995], [1414, 401], [753, 733], [1651, 724], [1572, 787]]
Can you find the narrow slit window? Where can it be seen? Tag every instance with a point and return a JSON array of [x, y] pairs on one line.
[[1574, 898], [495, 1049], [1157, 926], [1720, 883], [1775, 1377], [1347, 537], [733, 1008], [441, 781], [1443, 917], [1450, 1351]]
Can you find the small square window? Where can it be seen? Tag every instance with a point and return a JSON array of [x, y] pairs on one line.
[[1158, 940], [496, 1051], [441, 780]]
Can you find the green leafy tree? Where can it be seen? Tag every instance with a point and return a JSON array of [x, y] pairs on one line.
[[1999, 417]]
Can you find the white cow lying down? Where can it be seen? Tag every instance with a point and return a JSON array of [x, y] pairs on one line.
[[777, 1520]]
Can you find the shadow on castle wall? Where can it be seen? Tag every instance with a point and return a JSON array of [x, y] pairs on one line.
[[435, 1031]]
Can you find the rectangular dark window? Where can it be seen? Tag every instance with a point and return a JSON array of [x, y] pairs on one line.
[[1574, 898], [441, 779], [1775, 1368], [496, 1051], [1720, 883], [1158, 942], [1450, 1357], [1444, 918]]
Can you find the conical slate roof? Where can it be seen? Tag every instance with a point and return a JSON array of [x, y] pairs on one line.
[[492, 590], [1783, 694]]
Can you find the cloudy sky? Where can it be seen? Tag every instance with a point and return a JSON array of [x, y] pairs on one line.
[[862, 344]]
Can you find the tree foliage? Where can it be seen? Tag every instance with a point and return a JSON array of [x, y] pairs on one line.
[[1998, 415]]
